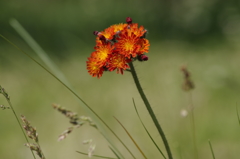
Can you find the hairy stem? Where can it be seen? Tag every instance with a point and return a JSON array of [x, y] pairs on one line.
[[150, 111]]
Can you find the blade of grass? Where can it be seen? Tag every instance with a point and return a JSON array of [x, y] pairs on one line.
[[95, 155], [88, 109], [114, 152], [238, 115], [211, 149], [147, 130], [38, 50], [139, 149]]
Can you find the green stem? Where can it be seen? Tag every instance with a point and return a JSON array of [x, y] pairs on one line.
[[150, 111]]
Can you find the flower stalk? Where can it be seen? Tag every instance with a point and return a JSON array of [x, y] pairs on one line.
[[117, 47], [150, 111]]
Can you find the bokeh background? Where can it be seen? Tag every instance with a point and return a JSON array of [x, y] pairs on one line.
[[203, 35]]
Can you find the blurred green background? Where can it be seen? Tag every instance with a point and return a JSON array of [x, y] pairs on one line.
[[203, 35]]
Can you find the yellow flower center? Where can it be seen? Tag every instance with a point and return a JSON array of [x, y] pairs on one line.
[[128, 45], [102, 54]]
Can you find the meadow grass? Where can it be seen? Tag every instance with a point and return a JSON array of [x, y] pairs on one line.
[[214, 71]]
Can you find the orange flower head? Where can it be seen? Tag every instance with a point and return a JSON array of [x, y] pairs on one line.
[[127, 44], [102, 52], [119, 62], [116, 46], [93, 68]]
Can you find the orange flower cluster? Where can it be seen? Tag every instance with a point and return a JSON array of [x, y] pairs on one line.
[[116, 46]]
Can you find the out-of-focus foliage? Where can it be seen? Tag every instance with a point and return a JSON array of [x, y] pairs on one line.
[[61, 25]]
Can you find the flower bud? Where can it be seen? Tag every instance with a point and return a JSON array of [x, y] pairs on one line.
[[96, 33], [142, 58], [129, 20]]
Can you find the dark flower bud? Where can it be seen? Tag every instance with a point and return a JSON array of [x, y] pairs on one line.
[[129, 20], [142, 58], [96, 33]]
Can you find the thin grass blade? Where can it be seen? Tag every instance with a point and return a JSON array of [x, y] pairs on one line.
[[211, 149], [238, 115], [147, 130], [39, 51], [114, 152], [139, 149]]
